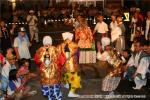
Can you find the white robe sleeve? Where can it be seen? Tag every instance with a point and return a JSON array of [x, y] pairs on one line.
[[131, 61], [143, 67]]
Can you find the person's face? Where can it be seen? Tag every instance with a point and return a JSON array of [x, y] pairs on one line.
[[125, 54], [137, 47], [137, 34], [15, 19], [136, 15], [12, 60], [79, 18], [108, 48], [148, 14], [26, 64], [119, 19], [22, 34], [68, 40], [32, 13], [113, 18], [100, 18], [47, 45], [2, 23]]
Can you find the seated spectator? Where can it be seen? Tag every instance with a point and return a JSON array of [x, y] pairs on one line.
[[17, 87], [24, 70], [7, 67], [137, 66]]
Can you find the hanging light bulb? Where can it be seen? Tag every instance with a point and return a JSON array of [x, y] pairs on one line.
[[45, 22], [94, 22]]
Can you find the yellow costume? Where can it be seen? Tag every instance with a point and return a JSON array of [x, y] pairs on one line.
[[70, 50]]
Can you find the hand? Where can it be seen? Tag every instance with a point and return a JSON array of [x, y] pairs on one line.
[[33, 75], [20, 88]]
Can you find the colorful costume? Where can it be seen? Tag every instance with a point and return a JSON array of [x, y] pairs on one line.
[[84, 37], [50, 73], [71, 77]]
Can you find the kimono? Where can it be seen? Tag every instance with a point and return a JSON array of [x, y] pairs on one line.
[[71, 76], [84, 37], [50, 72]]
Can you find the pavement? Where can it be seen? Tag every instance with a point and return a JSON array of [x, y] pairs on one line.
[[92, 76]]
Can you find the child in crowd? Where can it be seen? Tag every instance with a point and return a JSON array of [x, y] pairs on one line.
[[17, 88], [24, 70]]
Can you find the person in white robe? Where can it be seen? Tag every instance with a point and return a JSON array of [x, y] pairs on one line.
[[104, 56], [140, 61]]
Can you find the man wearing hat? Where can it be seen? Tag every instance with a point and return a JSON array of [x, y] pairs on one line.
[[48, 57], [32, 22], [71, 77], [21, 44]]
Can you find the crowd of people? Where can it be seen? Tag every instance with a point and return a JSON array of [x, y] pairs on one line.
[[61, 62]]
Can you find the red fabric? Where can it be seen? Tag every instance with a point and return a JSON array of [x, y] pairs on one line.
[[37, 59], [61, 60], [2, 60]]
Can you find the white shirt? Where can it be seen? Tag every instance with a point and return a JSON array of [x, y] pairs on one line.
[[113, 25], [147, 28], [115, 33], [143, 66], [6, 69], [33, 21], [134, 61], [23, 47], [101, 27]]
